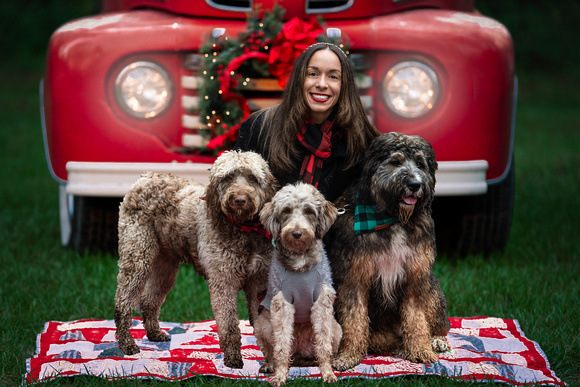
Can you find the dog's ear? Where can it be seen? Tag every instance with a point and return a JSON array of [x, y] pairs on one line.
[[271, 186], [268, 219], [328, 215], [212, 197], [429, 153]]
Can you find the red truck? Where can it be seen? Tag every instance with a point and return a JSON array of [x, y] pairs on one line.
[[122, 89]]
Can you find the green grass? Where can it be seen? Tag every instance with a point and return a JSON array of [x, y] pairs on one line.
[[535, 281]]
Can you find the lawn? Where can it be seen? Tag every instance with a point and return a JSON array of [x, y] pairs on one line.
[[535, 281]]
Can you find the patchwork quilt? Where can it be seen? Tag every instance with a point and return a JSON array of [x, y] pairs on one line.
[[482, 349]]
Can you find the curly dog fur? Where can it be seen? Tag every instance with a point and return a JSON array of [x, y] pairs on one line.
[[297, 326], [164, 221], [388, 300]]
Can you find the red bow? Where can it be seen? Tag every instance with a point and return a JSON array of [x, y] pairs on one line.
[[295, 37]]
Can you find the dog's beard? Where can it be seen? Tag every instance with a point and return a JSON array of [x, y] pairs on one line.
[[240, 215], [297, 246], [405, 212]]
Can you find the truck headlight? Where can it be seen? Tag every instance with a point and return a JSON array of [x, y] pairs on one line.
[[143, 89], [410, 89]]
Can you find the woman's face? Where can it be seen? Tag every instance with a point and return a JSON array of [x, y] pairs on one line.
[[322, 84]]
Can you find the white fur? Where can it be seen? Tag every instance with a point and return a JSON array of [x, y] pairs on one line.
[[390, 268]]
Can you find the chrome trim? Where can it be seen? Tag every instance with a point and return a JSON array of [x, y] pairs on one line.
[[108, 179], [461, 178], [344, 7], [213, 4], [45, 136], [501, 178]]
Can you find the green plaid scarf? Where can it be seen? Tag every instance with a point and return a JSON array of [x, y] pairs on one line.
[[370, 218]]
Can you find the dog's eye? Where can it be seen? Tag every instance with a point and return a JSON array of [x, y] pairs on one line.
[[395, 163], [286, 210], [252, 179], [309, 211], [420, 165]]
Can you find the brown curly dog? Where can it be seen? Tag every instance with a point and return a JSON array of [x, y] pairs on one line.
[[164, 221]]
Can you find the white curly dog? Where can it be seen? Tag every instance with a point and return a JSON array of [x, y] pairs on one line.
[[297, 325]]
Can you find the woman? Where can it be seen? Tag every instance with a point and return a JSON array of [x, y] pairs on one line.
[[319, 132]]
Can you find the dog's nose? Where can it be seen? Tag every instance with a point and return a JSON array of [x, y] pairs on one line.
[[297, 234], [414, 185], [240, 201]]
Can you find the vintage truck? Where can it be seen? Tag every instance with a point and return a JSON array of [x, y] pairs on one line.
[[122, 89]]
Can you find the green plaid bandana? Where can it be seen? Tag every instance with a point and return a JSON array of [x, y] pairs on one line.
[[370, 218]]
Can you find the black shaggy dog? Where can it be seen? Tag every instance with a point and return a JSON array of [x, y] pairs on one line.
[[382, 251]]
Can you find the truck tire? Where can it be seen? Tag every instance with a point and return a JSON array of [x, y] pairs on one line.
[[476, 224], [89, 223]]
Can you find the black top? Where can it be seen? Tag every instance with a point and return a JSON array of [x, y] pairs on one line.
[[334, 179]]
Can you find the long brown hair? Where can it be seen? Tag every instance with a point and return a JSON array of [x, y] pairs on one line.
[[281, 123]]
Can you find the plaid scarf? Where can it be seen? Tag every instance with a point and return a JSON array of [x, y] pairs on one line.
[[318, 143], [249, 226], [370, 218]]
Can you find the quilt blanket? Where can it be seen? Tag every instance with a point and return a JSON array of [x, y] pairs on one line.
[[482, 349]]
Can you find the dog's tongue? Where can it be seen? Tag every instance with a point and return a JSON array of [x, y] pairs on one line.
[[410, 199]]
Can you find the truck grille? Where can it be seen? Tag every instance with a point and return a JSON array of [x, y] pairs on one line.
[[323, 6]]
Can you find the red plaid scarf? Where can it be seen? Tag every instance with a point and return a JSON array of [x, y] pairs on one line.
[[318, 142], [250, 226]]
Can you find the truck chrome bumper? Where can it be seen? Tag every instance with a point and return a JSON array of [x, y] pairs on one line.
[[115, 179], [454, 178]]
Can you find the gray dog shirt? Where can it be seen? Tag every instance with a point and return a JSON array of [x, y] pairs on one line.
[[299, 289]]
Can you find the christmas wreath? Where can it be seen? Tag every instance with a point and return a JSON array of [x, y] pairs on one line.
[[267, 49]]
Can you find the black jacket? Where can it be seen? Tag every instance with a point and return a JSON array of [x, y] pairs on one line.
[[334, 179]]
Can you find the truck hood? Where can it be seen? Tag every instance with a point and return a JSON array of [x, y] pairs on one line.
[[330, 9]]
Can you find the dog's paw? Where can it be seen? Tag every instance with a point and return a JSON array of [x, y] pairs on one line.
[[423, 356], [234, 361], [158, 337], [344, 362], [267, 368], [277, 380], [130, 349], [329, 377], [439, 344]]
